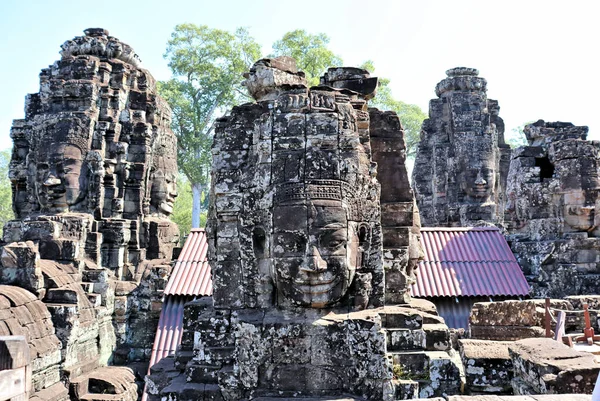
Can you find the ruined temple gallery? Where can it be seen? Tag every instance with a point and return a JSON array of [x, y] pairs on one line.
[[300, 286]]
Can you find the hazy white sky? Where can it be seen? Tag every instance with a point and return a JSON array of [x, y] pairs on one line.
[[539, 57]]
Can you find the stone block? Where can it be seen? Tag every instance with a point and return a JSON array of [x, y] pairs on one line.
[[488, 366], [547, 366]]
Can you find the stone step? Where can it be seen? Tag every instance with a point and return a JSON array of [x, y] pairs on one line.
[[437, 337], [95, 299], [87, 287], [182, 358], [436, 371], [405, 389], [62, 296], [81, 368], [405, 339], [199, 373], [222, 354], [401, 318]]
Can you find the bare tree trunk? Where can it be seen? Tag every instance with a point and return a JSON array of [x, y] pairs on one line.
[[196, 202]]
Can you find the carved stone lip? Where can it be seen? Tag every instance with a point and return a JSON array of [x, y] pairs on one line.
[[314, 282], [317, 287]]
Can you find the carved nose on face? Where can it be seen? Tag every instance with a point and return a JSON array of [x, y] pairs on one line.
[[51, 181], [479, 180], [313, 262]]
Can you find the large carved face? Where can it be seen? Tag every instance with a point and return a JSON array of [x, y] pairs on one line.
[[478, 183], [314, 264], [61, 178], [163, 191]]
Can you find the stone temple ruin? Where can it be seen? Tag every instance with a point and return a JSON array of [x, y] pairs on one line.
[[297, 233], [313, 240], [93, 173], [462, 160], [552, 198]]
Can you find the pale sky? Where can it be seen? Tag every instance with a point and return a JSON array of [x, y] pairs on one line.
[[539, 57]]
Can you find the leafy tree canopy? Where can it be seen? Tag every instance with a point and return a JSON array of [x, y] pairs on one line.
[[207, 66], [310, 51]]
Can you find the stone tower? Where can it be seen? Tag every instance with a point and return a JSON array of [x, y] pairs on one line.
[[297, 236], [551, 211], [462, 161], [93, 174]]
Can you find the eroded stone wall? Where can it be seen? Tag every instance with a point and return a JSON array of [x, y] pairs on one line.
[[552, 193]]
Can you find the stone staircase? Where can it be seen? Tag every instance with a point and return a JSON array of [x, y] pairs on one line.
[[419, 348]]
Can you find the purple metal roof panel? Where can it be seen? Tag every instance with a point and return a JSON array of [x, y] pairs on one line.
[[191, 274], [467, 262]]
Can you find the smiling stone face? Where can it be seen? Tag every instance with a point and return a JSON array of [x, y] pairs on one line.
[[478, 183], [61, 178], [315, 264], [163, 191]]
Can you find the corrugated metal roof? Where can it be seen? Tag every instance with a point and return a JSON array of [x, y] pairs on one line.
[[191, 274], [170, 328], [191, 277], [467, 262]]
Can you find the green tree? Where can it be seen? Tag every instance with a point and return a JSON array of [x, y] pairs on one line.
[[517, 137], [310, 51], [6, 212], [182, 210], [411, 116], [207, 66]]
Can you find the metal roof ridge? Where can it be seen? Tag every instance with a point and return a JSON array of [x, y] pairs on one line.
[[460, 229]]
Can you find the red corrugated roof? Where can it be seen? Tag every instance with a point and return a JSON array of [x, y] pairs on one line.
[[190, 278], [170, 328], [191, 275], [467, 262]]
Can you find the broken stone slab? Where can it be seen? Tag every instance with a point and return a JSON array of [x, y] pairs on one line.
[[488, 366], [513, 312], [506, 333], [542, 365], [55, 392]]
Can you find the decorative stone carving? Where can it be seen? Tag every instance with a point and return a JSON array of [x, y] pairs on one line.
[[93, 173], [462, 160], [296, 239], [552, 196]]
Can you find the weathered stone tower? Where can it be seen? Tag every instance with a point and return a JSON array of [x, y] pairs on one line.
[[462, 161], [551, 211], [93, 173], [297, 232]]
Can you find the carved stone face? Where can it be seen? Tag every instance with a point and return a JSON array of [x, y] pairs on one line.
[[478, 183], [318, 268], [61, 177], [163, 191]]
